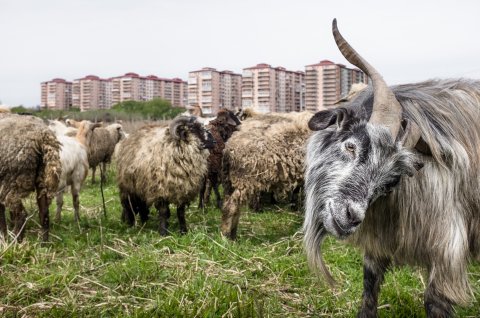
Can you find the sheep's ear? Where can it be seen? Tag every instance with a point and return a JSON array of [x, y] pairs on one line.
[[233, 120], [327, 118]]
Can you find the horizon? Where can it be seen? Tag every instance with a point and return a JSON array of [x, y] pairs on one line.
[[53, 39]]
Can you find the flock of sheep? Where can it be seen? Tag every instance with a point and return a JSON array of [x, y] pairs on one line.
[[158, 165]]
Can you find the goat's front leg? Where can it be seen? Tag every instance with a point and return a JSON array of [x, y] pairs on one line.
[[373, 273]]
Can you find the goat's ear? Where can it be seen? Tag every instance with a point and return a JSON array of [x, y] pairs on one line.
[[410, 137], [327, 118]]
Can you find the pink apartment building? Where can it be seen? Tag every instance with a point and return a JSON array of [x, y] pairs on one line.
[[211, 90], [92, 92], [131, 86], [56, 94], [272, 89], [327, 82]]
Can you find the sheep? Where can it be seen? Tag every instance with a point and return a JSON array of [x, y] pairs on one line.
[[162, 165], [396, 173], [221, 128], [74, 159], [263, 156], [102, 145], [29, 161], [61, 129]]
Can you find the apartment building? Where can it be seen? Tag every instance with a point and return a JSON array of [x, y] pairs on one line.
[[127, 87], [211, 90], [272, 89], [131, 86], [56, 94], [327, 82], [92, 92]]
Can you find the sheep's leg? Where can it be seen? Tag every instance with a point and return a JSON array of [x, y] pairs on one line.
[[202, 193], [59, 200], [42, 202], [93, 174], [373, 273], [128, 215], [214, 183], [181, 218], [19, 218], [208, 190], [143, 210], [3, 221], [231, 215], [76, 202], [103, 172], [163, 215]]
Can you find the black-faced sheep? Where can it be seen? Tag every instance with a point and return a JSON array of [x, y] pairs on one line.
[[74, 158], [221, 128], [162, 165], [29, 161], [263, 156]]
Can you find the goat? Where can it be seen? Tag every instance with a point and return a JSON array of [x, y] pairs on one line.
[[396, 172]]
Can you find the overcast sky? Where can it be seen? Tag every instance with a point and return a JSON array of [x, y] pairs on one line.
[[406, 41]]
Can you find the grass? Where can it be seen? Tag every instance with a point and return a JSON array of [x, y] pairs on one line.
[[102, 268]]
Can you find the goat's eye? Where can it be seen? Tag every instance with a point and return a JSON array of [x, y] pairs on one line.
[[350, 147]]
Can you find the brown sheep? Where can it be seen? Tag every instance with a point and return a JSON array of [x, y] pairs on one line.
[[221, 128], [29, 161]]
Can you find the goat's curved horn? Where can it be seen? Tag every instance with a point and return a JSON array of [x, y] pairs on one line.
[[386, 109], [176, 124]]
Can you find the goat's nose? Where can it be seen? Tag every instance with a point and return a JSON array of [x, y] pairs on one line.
[[353, 217]]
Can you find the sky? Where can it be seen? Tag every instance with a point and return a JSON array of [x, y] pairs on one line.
[[406, 41]]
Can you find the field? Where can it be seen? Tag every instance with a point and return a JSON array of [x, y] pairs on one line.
[[102, 268]]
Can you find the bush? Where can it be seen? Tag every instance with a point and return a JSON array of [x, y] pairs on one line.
[[153, 109]]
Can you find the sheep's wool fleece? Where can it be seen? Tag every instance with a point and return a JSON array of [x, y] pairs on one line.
[[153, 165], [101, 147], [29, 157], [268, 154]]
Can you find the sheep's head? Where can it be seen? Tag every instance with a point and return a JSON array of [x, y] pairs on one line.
[[183, 126], [117, 130], [226, 123], [85, 131]]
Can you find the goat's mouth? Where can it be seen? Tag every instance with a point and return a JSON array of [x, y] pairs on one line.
[[335, 227], [340, 230]]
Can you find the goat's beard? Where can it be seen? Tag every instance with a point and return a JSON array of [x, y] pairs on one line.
[[313, 239]]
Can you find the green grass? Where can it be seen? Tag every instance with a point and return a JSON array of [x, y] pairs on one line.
[[103, 268]]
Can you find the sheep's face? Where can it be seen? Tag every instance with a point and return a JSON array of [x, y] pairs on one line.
[[350, 165], [206, 138]]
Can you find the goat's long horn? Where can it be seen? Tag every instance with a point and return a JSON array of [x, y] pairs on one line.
[[386, 109]]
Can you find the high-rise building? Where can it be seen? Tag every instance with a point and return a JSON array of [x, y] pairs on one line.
[[327, 82], [269, 89], [211, 90], [56, 94], [131, 86], [92, 92], [127, 87]]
